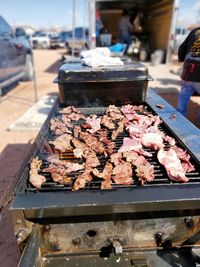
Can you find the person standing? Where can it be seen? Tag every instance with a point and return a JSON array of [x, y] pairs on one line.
[[189, 53], [125, 28]]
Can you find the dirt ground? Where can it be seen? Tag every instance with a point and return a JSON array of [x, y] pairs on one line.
[[14, 145]]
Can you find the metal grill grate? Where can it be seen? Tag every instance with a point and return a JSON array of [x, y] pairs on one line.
[[161, 178]]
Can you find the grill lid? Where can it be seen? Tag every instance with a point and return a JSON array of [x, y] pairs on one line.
[[131, 71]]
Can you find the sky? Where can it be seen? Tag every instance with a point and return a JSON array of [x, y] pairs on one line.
[[42, 13], [188, 12], [47, 13]]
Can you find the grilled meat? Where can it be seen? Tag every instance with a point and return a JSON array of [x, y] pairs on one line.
[[62, 143], [91, 159], [152, 140], [58, 127], [106, 175], [133, 144], [120, 129], [185, 159], [82, 179], [172, 164], [116, 158], [114, 112], [122, 173], [109, 145], [94, 122], [144, 170], [92, 142], [108, 122], [34, 178]]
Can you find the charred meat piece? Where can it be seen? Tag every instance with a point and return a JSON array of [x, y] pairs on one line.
[[57, 173], [122, 173], [172, 164], [114, 112], [106, 175], [116, 158], [58, 127], [72, 113], [120, 129], [62, 143], [92, 142], [68, 110], [79, 148], [68, 165], [82, 179], [144, 170], [108, 122], [94, 122], [109, 145], [133, 144], [34, 178], [67, 121], [91, 159]]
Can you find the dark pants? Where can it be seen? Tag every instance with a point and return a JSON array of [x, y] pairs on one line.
[[125, 38]]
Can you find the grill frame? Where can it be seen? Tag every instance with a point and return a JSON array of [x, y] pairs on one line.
[[177, 199]]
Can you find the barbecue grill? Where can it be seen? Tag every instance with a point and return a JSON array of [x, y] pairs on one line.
[[152, 225]]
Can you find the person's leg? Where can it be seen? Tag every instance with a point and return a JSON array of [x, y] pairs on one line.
[[186, 92]]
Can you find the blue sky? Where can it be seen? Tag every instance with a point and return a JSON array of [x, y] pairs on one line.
[[59, 12], [43, 13], [189, 10]]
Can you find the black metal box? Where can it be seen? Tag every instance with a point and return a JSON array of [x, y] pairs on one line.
[[85, 86]]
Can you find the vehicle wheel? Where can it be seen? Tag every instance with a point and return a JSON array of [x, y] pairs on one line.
[[143, 55], [44, 45], [29, 69], [67, 48]]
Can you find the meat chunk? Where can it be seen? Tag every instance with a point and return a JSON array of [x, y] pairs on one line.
[[92, 142], [120, 129], [172, 164], [109, 145], [185, 159], [82, 179], [152, 140], [122, 173], [144, 170], [108, 122], [133, 144], [58, 127], [114, 112], [62, 143], [35, 178], [135, 130], [106, 175], [72, 113], [116, 158], [94, 122], [91, 159]]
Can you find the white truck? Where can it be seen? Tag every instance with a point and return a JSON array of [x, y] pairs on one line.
[[42, 39], [158, 19]]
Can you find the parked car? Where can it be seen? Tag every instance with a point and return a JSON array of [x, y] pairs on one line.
[[80, 42], [42, 39], [57, 41], [16, 60]]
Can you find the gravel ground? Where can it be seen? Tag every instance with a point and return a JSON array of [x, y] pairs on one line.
[[14, 145]]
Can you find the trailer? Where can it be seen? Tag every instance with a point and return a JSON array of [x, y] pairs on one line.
[[158, 20]]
